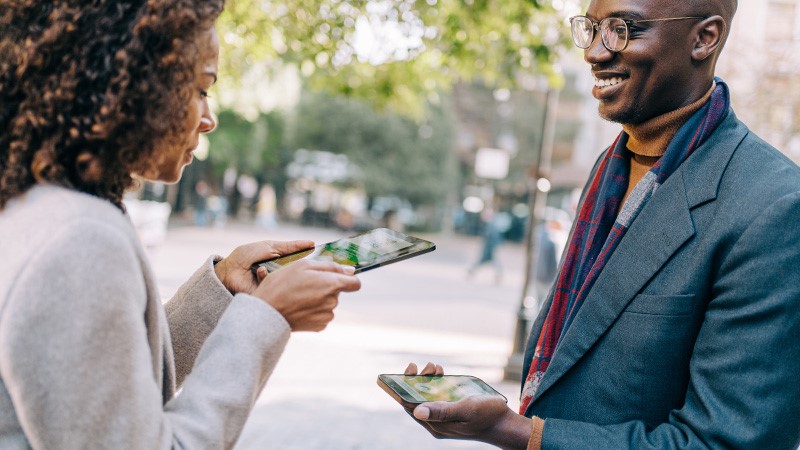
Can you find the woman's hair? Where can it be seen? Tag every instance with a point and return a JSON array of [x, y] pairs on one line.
[[90, 90]]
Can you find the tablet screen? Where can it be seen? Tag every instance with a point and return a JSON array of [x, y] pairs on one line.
[[367, 250], [422, 388]]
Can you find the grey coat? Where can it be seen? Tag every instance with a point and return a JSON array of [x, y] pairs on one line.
[[87, 360], [690, 337]]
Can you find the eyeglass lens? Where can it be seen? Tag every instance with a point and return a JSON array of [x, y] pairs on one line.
[[613, 32]]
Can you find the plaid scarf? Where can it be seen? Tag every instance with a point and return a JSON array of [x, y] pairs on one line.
[[598, 228]]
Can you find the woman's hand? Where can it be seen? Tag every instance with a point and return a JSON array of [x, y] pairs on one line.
[[234, 271], [481, 418], [306, 292]]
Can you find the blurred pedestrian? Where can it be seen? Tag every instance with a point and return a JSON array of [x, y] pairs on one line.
[[266, 208], [93, 94], [546, 267], [201, 191], [218, 210], [391, 220], [551, 237], [676, 311], [492, 238]]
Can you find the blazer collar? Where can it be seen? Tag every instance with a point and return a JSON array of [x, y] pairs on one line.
[[666, 220]]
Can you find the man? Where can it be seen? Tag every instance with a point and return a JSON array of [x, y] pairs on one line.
[[674, 320]]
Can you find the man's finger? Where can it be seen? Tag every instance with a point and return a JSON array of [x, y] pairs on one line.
[[430, 369], [437, 412], [422, 412], [411, 369]]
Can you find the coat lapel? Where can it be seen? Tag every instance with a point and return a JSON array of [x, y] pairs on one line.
[[665, 220], [662, 227]]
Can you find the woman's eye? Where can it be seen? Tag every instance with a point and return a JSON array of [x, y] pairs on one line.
[[203, 94]]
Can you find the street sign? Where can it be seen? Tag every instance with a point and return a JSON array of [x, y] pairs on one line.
[[492, 163]]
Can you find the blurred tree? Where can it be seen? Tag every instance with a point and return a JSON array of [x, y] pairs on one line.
[[397, 53], [249, 147], [397, 155]]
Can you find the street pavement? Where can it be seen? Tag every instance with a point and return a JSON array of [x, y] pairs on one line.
[[323, 393]]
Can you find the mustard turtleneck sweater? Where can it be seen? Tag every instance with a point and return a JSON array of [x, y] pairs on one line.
[[648, 141]]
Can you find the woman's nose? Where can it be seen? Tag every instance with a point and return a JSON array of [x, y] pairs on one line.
[[207, 122]]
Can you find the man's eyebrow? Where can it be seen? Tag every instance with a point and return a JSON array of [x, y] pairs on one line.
[[633, 15]]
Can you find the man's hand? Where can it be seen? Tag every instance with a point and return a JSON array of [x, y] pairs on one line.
[[481, 418], [234, 271]]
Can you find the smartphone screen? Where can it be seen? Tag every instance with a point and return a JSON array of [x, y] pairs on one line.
[[364, 251], [429, 388]]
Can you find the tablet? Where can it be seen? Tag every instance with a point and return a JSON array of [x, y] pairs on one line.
[[365, 251]]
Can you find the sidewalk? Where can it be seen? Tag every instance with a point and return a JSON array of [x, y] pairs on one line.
[[323, 393]]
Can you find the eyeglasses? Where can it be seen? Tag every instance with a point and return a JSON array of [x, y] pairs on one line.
[[614, 31]]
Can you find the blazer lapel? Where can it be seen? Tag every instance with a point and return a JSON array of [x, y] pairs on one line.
[[662, 227], [664, 220]]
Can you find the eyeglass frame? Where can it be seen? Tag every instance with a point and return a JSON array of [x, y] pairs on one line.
[[627, 22]]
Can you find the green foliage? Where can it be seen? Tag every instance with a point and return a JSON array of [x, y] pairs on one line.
[[395, 53], [251, 147], [397, 155], [384, 66]]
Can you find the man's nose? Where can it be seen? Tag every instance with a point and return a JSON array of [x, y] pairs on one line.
[[597, 52]]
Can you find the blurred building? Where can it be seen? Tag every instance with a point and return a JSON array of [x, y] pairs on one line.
[[592, 135], [761, 65]]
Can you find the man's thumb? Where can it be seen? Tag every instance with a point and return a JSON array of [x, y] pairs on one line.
[[432, 412], [422, 412]]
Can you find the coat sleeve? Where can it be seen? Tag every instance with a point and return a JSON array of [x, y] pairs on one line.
[[193, 313], [743, 388], [78, 367]]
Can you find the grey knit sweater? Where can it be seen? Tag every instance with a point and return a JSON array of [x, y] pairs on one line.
[[89, 357]]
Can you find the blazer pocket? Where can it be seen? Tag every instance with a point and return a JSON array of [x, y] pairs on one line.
[[662, 305]]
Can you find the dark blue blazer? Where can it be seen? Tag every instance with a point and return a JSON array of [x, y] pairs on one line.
[[690, 337]]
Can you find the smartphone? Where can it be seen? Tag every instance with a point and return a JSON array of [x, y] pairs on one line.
[[411, 390], [364, 251]]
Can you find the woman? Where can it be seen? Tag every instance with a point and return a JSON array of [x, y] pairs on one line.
[[94, 95]]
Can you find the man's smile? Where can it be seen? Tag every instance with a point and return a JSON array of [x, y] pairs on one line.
[[606, 82]]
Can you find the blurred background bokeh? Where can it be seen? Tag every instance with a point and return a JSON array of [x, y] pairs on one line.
[[421, 114]]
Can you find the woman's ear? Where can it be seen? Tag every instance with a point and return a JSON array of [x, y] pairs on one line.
[[709, 35], [89, 167]]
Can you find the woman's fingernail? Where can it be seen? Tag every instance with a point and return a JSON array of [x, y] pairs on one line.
[[422, 413]]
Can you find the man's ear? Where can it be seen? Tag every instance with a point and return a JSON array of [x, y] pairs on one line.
[[709, 36]]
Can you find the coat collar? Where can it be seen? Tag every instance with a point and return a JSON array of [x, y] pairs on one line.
[[666, 219]]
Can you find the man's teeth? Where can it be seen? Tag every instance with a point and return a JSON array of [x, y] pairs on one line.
[[601, 83]]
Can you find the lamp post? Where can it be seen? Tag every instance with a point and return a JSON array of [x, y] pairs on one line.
[[538, 187]]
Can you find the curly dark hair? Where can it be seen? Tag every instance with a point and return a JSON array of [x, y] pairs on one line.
[[90, 90]]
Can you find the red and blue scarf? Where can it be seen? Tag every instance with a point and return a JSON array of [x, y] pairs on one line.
[[601, 225]]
